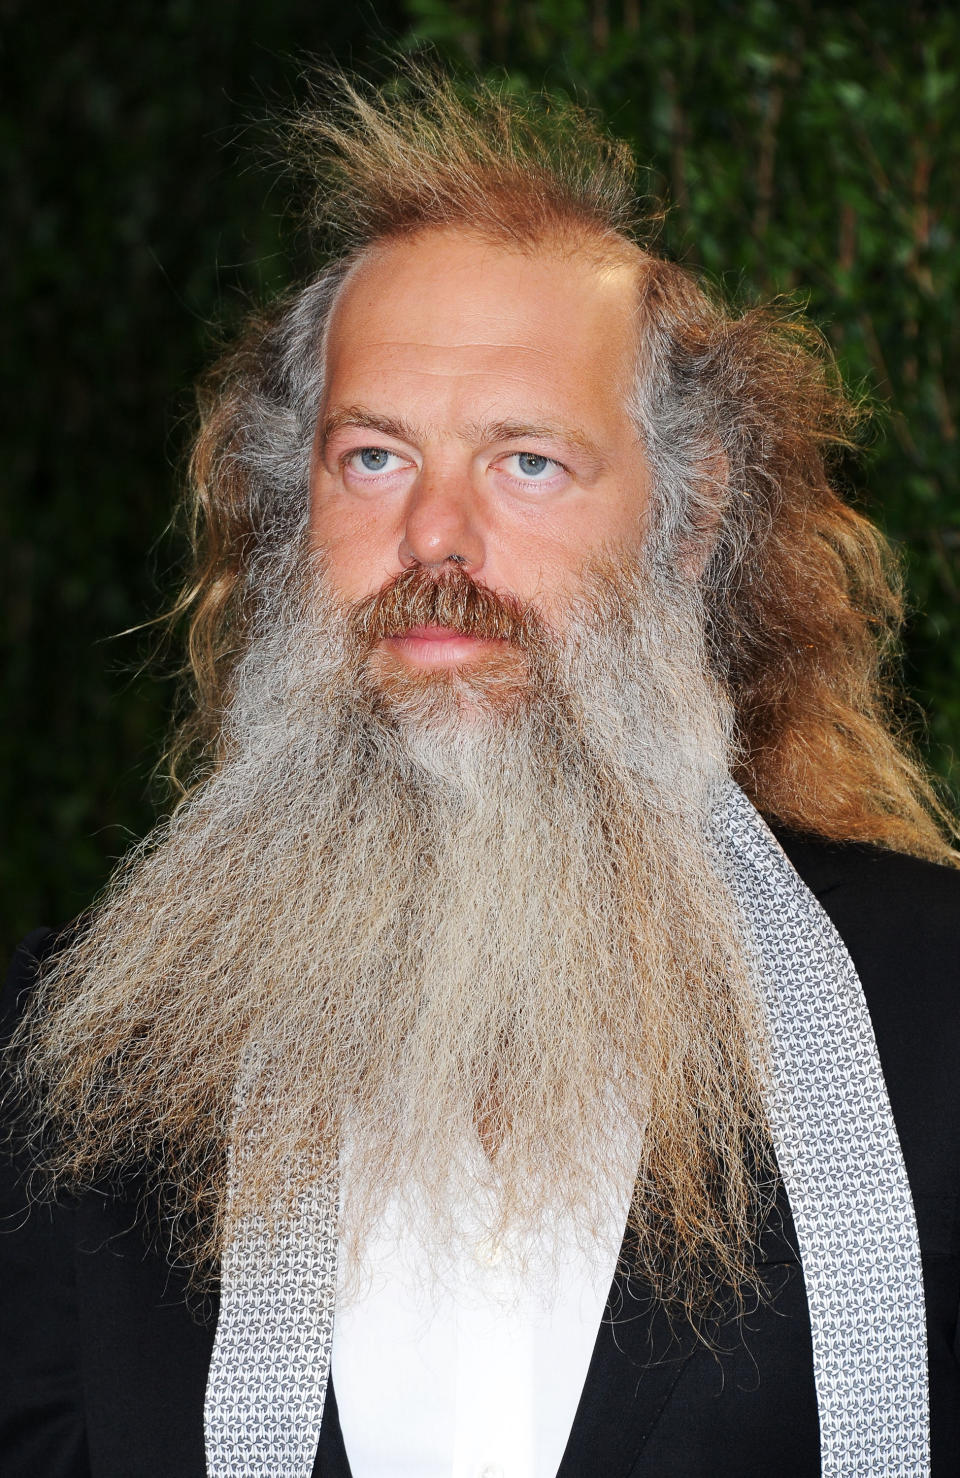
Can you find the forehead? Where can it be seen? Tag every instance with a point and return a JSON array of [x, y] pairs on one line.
[[477, 328]]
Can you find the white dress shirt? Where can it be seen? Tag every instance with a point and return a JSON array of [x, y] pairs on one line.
[[476, 1373]]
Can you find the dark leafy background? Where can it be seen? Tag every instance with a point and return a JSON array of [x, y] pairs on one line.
[[808, 149]]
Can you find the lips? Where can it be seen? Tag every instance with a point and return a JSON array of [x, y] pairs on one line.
[[430, 645], [434, 633]]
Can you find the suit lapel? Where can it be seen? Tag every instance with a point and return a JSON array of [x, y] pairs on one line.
[[653, 1382], [637, 1360]]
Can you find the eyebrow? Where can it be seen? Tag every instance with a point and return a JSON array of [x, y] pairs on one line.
[[480, 431], [364, 420], [487, 431]]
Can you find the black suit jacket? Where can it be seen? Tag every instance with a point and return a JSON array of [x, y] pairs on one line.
[[103, 1368]]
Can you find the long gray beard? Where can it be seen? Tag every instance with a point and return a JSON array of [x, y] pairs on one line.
[[447, 920]]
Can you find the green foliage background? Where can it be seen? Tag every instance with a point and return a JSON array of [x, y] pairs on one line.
[[804, 148]]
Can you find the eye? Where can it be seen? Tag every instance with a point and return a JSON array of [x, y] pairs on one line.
[[532, 466], [373, 460]]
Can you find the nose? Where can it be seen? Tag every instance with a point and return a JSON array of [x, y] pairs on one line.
[[440, 524]]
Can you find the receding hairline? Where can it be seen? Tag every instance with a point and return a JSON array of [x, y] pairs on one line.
[[601, 248], [566, 239]]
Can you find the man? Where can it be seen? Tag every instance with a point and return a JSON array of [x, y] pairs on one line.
[[521, 597]]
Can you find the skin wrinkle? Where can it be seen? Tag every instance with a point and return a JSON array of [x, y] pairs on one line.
[[485, 433]]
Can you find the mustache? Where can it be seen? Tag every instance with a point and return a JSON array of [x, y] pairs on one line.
[[446, 597]]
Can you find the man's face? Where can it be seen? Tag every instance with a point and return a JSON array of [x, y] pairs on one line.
[[474, 412]]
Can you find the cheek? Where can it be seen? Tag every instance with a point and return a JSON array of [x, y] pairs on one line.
[[601, 520], [549, 570], [619, 524], [358, 541]]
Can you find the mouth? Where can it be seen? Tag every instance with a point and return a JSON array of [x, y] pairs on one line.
[[438, 646]]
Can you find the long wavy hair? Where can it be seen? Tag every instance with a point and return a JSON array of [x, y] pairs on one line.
[[741, 416]]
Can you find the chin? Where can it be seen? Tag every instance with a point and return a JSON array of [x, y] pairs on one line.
[[495, 681]]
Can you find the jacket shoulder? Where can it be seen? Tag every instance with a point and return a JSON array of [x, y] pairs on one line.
[[42, 1426], [899, 918], [897, 914]]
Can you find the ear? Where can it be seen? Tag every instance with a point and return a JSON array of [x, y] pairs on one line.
[[707, 505]]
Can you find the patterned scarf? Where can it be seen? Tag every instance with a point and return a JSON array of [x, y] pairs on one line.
[[842, 1166]]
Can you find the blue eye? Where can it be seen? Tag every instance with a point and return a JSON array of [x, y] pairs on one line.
[[373, 458], [532, 466], [368, 462]]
